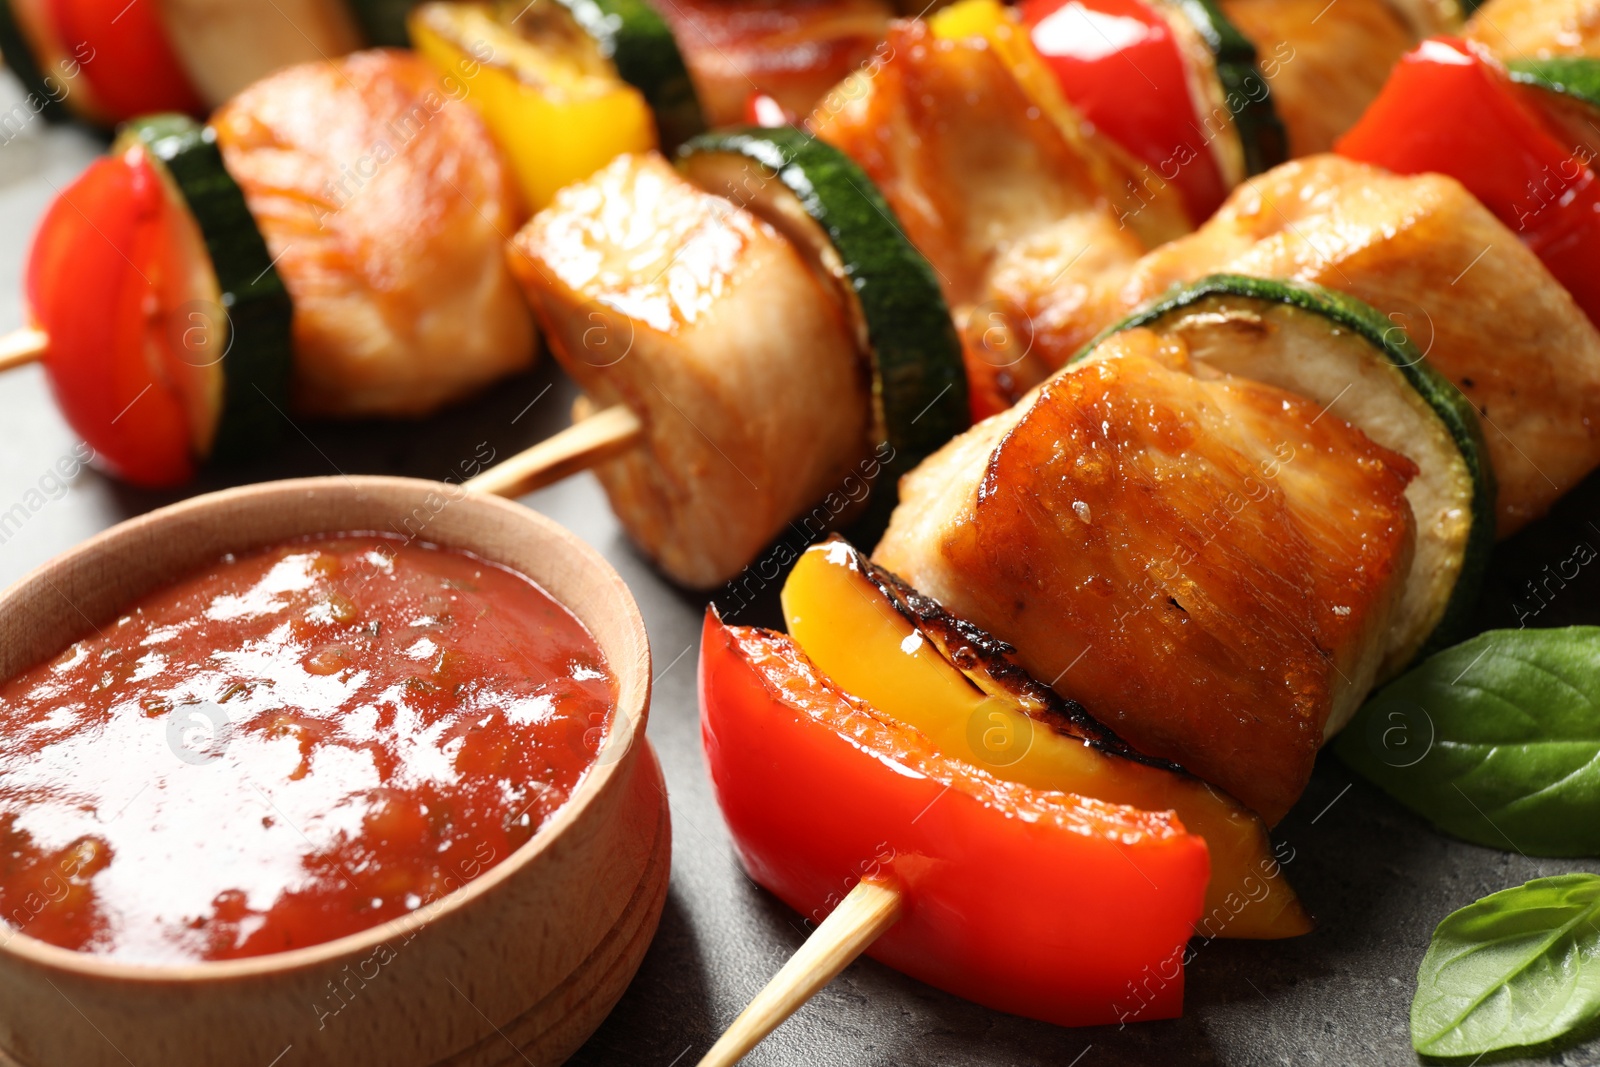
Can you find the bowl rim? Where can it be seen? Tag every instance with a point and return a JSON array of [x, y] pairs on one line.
[[30, 950]]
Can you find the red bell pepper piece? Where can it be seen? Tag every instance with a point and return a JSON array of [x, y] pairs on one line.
[[103, 277], [1040, 903], [1122, 67], [1448, 108]]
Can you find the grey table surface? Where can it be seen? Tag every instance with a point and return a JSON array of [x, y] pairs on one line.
[[1377, 878]]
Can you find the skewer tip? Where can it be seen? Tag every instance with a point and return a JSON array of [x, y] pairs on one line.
[[21, 346], [866, 912]]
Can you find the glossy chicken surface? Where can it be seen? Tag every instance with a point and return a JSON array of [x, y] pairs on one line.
[[1425, 253], [1325, 63], [967, 160], [386, 208], [709, 325], [791, 50], [1210, 565], [1538, 27], [1050, 294]]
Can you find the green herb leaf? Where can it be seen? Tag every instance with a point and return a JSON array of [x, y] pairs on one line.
[[1519, 967], [1496, 740]]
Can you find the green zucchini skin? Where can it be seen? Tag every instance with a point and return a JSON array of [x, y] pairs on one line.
[[1261, 132], [50, 103], [383, 22], [256, 366], [1574, 76], [634, 36], [919, 377], [1454, 410]]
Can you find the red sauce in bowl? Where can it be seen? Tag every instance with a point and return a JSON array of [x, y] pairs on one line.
[[289, 747]]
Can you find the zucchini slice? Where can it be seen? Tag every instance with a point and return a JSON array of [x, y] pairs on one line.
[[1566, 92], [635, 37], [1340, 352], [258, 351], [1244, 93], [821, 201], [383, 22], [1577, 77]]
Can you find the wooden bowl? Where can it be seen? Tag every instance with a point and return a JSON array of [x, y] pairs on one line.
[[519, 965]]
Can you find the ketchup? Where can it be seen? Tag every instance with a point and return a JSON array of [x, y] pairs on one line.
[[291, 746]]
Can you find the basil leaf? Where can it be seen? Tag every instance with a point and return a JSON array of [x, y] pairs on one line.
[[1519, 967], [1496, 740]]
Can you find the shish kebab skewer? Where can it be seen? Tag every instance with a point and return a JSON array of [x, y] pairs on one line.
[[105, 62], [1519, 348], [1416, 414], [991, 568], [1448, 498], [931, 542], [1357, 227], [778, 514], [1238, 636], [1429, 582], [529, 55], [791, 55], [1411, 243], [821, 325], [287, 256], [366, 190], [862, 919]]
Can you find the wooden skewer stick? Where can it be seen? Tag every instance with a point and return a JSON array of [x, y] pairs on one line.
[[867, 911], [25, 345], [580, 446]]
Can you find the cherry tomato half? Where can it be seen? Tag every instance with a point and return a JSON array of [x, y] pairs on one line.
[[104, 276]]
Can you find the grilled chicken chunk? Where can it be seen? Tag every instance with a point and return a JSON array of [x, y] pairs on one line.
[[1210, 565], [1424, 252], [966, 158], [1325, 62], [791, 50], [1511, 28], [1050, 294], [386, 208], [225, 45], [738, 358]]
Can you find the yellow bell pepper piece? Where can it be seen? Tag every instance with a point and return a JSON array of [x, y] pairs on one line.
[[969, 18], [855, 636], [556, 107]]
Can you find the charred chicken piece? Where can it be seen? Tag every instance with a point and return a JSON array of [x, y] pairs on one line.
[[1210, 564]]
